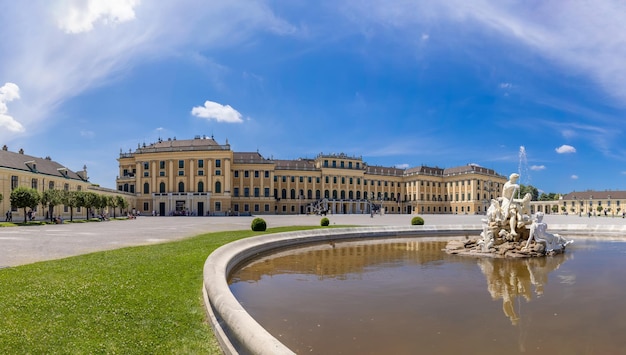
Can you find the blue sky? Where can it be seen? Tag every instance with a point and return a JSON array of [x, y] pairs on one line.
[[400, 83]]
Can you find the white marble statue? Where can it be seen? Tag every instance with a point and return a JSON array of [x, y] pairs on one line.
[[552, 242], [508, 193]]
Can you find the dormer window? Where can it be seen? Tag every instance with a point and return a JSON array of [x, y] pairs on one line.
[[62, 171], [31, 165]]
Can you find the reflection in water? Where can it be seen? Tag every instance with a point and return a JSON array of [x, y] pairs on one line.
[[342, 260], [512, 278]]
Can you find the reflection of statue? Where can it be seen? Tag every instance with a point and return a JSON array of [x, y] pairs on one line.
[[509, 279], [551, 242]]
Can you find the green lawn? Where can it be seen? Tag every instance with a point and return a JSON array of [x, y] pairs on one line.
[[139, 300]]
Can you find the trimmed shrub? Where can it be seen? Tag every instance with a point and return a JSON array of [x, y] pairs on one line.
[[324, 222], [259, 225], [417, 221]]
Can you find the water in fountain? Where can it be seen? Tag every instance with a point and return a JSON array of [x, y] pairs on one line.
[[522, 167]]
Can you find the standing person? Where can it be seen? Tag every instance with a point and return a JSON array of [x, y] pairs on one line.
[[7, 216]]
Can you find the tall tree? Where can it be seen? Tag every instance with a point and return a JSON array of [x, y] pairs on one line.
[[51, 198], [524, 189], [90, 200], [112, 202], [25, 197], [121, 203], [70, 199]]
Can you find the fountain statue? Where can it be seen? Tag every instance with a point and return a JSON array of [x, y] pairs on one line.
[[509, 230]]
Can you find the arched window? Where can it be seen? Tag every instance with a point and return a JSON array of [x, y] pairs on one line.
[[283, 194], [200, 186], [358, 195], [334, 194], [181, 187], [318, 194], [343, 195], [351, 195], [162, 187], [146, 188], [326, 194], [218, 187], [309, 194], [292, 194]]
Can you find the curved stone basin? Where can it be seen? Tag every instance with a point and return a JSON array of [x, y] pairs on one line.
[[238, 332]]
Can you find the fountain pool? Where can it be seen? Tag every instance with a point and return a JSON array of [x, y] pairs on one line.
[[407, 296]]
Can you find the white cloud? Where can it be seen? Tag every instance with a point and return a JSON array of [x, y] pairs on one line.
[[588, 37], [87, 134], [218, 112], [402, 166], [506, 85], [53, 66], [8, 93], [565, 149], [76, 16], [574, 177], [538, 167]]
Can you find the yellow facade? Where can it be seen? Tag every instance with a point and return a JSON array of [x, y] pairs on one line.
[[21, 170], [201, 177]]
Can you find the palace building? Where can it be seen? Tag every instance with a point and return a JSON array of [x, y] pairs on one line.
[[18, 169], [202, 177]]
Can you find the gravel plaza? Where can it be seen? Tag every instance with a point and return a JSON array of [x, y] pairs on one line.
[[25, 245]]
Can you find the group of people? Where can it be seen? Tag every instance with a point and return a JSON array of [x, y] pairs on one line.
[[9, 216]]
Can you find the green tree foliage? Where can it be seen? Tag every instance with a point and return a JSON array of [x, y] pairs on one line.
[[324, 222], [90, 200], [122, 203], [112, 203], [51, 198], [70, 199], [25, 197], [524, 189], [548, 197]]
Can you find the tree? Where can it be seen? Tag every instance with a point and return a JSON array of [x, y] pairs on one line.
[[113, 203], [25, 197], [121, 203], [70, 199], [90, 199], [524, 189], [51, 198]]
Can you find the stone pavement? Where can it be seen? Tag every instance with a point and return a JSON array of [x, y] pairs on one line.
[[25, 245]]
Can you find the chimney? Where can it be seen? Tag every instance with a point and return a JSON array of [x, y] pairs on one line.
[[21, 151], [5, 148]]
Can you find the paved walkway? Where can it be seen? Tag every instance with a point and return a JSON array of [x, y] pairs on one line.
[[25, 245]]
